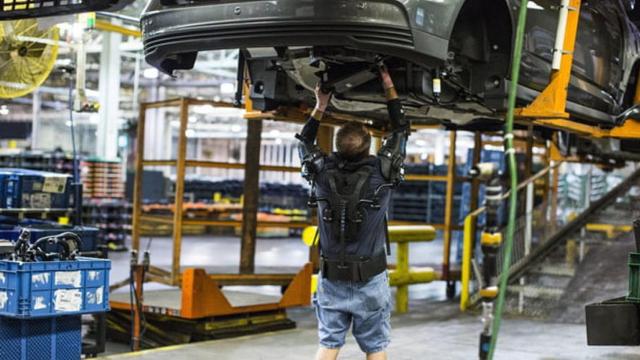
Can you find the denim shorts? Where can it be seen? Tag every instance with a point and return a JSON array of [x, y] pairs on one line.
[[366, 305]]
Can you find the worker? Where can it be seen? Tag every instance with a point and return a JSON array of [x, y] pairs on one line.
[[352, 190]]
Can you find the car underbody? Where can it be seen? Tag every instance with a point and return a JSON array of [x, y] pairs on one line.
[[288, 47]]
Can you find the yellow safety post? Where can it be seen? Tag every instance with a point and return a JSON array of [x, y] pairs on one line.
[[403, 275], [467, 253]]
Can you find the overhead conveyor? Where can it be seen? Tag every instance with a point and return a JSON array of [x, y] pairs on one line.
[[549, 109]]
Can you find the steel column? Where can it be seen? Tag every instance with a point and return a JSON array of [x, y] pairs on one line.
[[35, 128], [251, 197], [109, 88]]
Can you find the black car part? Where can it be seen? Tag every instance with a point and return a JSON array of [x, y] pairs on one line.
[[67, 247], [25, 9]]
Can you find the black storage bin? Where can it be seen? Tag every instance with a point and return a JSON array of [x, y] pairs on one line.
[[613, 323]]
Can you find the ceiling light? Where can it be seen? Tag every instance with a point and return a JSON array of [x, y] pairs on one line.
[[203, 109], [228, 88], [534, 6], [150, 73]]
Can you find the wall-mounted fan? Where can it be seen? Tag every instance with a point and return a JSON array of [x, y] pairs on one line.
[[27, 56]]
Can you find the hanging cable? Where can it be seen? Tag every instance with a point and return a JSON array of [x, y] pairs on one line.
[[513, 171]]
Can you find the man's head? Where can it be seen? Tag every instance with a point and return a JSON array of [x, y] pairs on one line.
[[353, 141]]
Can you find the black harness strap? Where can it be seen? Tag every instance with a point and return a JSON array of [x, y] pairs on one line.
[[386, 233]]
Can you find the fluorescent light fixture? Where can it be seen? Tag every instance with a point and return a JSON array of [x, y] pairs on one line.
[[228, 88], [534, 6], [150, 73], [217, 111], [203, 109]]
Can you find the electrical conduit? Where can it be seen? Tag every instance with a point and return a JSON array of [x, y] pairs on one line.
[[511, 159]]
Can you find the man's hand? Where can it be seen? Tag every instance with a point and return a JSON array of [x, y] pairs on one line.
[[387, 82], [322, 99]]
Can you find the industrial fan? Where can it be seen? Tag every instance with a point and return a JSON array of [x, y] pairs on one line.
[[27, 56]]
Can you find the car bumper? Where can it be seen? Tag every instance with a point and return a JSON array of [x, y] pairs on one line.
[[172, 34]]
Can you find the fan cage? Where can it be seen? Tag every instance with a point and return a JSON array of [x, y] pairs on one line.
[[22, 9]]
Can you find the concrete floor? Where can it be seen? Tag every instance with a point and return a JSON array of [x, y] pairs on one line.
[[434, 328]]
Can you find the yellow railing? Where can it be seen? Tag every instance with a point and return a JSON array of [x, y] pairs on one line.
[[470, 222]]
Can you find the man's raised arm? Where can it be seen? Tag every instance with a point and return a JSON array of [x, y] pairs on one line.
[[311, 157], [394, 149]]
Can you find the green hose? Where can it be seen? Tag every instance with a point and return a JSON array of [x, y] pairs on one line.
[[513, 170]]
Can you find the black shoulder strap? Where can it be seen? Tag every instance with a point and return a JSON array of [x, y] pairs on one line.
[[386, 233]]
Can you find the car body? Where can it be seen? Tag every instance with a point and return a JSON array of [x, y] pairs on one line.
[[289, 44]]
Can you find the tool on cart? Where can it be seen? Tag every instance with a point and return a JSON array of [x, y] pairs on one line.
[[137, 276], [67, 246], [490, 241]]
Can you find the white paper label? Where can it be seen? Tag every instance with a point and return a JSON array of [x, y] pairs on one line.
[[40, 201], [40, 278], [67, 300], [54, 184], [95, 298], [2, 278], [38, 303], [4, 298], [94, 275], [71, 278], [99, 295]]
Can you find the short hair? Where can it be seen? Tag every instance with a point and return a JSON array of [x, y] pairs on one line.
[[353, 141]]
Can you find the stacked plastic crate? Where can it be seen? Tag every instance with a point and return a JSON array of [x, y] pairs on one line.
[[30, 189], [112, 218], [104, 204], [41, 304], [102, 179]]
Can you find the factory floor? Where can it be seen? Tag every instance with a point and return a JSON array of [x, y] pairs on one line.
[[434, 328]]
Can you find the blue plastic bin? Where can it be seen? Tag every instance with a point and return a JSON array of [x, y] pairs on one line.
[[34, 189], [56, 288], [41, 339], [3, 198]]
